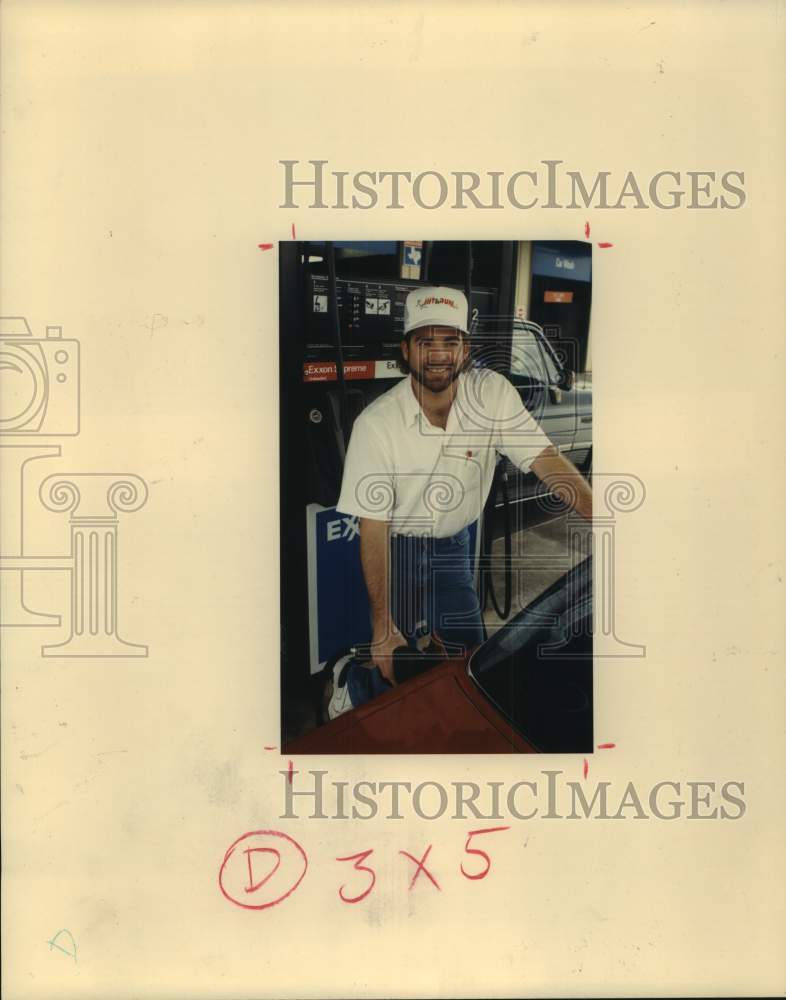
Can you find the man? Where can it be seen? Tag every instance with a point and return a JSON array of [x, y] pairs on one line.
[[418, 470]]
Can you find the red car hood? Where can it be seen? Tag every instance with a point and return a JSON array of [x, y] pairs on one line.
[[440, 711]]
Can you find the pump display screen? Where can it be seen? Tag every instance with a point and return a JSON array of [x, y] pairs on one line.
[[368, 311]]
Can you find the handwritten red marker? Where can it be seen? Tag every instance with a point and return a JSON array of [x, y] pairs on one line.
[[236, 879], [482, 854], [421, 867], [265, 246], [359, 866], [290, 773], [293, 231], [270, 748], [605, 246], [586, 767], [586, 230], [606, 746]]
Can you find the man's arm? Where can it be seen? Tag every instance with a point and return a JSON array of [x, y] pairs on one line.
[[565, 480], [375, 559]]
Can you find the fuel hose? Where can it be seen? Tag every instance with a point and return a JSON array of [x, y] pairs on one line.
[[336, 324]]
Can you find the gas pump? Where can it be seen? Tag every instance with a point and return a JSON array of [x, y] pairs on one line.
[[341, 323]]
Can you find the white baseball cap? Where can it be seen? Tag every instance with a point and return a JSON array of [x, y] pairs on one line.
[[435, 306]]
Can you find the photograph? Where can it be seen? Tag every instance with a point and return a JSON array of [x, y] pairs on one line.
[[435, 496]]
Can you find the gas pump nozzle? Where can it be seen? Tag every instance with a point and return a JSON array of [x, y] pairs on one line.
[[337, 698], [408, 661]]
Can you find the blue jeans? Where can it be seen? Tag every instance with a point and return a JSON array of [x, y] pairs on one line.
[[432, 591]]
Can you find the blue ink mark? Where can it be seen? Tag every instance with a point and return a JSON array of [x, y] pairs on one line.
[[53, 944]]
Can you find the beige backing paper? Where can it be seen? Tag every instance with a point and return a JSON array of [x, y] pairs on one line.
[[140, 149]]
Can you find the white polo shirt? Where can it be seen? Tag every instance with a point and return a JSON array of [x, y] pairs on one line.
[[426, 480]]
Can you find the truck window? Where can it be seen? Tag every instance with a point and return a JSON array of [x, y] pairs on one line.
[[529, 359]]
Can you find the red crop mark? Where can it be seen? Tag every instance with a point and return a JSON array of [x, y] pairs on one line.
[[586, 767], [290, 772], [605, 246], [586, 230], [421, 867], [482, 854], [606, 746], [293, 231], [270, 748], [358, 858], [265, 246], [231, 875]]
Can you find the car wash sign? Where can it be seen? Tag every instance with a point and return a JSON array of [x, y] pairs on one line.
[[338, 612], [557, 261]]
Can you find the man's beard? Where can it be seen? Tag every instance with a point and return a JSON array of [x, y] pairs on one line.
[[439, 382]]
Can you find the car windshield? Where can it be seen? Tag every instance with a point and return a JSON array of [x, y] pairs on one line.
[[531, 359], [537, 669]]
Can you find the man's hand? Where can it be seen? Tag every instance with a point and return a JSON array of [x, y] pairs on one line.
[[383, 644], [375, 558], [565, 480]]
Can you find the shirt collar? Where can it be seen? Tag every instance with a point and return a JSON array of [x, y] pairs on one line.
[[410, 407]]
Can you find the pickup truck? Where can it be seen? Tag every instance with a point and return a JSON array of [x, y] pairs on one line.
[[559, 400]]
